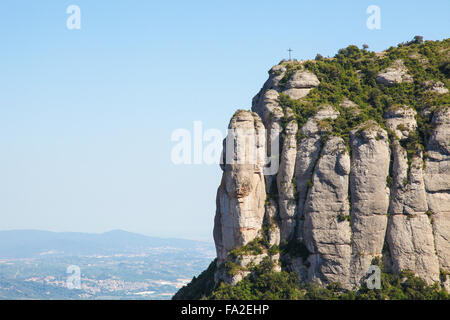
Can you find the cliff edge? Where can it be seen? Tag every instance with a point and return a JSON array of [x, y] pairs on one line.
[[342, 164]]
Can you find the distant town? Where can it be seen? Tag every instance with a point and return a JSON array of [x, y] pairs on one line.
[[153, 273]]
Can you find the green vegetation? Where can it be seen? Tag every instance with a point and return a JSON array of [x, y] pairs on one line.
[[351, 74], [254, 247], [233, 268], [295, 248], [303, 111], [413, 147], [273, 250], [443, 275], [265, 283], [342, 217], [273, 191], [294, 188], [389, 181], [200, 287]]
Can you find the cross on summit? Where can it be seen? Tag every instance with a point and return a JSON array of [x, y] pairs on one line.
[[290, 50]]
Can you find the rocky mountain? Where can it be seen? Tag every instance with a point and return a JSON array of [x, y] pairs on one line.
[[360, 144]]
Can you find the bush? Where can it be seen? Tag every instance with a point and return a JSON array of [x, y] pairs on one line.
[[200, 287], [268, 284]]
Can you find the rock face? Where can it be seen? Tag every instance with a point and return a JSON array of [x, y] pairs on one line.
[[396, 73], [401, 120], [344, 202], [327, 235], [285, 182], [369, 195], [437, 185], [242, 192], [300, 84], [435, 86]]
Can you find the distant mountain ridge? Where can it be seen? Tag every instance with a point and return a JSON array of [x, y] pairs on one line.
[[34, 243]]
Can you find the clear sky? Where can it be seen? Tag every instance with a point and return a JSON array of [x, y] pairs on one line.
[[86, 116]]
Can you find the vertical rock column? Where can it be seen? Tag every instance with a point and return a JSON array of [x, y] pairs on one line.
[[410, 234], [369, 195], [267, 106], [271, 114], [241, 194], [327, 232], [437, 183], [308, 151], [286, 183]]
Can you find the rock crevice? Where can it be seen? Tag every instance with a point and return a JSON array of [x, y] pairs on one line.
[[343, 200]]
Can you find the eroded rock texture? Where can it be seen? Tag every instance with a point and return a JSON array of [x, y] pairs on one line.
[[286, 182], [343, 202], [437, 185], [396, 73], [369, 195], [327, 234], [242, 193]]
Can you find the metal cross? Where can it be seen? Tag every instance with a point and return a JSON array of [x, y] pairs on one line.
[[290, 50]]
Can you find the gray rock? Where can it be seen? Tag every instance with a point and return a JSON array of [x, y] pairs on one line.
[[307, 155], [327, 234], [401, 120], [437, 172], [295, 93], [411, 245], [285, 181], [300, 84], [441, 229], [271, 218], [370, 167], [369, 195], [437, 183], [396, 73], [326, 112], [241, 195], [408, 194], [308, 151], [435, 86], [403, 219], [303, 79], [267, 107]]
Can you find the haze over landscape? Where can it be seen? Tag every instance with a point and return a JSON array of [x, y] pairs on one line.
[[113, 265]]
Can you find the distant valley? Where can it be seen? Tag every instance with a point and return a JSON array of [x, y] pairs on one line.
[[113, 265]]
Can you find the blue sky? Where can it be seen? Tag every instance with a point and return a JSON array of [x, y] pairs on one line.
[[86, 115]]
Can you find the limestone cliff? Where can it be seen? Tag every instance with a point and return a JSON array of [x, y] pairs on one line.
[[363, 157]]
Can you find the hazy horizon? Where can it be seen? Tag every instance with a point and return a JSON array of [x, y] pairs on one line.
[[207, 240]]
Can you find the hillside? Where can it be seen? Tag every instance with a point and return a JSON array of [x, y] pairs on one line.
[[113, 265], [341, 167]]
